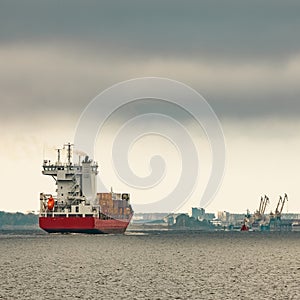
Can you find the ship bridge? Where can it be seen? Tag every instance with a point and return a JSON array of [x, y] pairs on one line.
[[74, 181]]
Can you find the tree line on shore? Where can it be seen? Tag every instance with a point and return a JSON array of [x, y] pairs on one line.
[[17, 219]]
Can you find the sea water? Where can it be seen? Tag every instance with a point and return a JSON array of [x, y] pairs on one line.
[[158, 265]]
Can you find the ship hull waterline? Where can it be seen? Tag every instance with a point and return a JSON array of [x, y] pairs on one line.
[[89, 225]]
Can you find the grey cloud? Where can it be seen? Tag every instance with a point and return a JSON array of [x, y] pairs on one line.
[[41, 80], [228, 30], [55, 56]]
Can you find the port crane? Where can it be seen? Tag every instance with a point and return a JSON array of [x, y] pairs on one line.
[[262, 207], [265, 202], [277, 207], [281, 201], [262, 221]]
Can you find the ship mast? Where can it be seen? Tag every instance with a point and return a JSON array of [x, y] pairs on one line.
[[58, 155], [69, 152]]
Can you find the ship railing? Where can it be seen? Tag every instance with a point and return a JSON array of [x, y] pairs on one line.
[[119, 217], [55, 167], [73, 166]]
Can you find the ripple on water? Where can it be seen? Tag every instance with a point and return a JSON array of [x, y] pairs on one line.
[[150, 266]]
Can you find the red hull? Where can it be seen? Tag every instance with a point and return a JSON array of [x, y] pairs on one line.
[[82, 225]]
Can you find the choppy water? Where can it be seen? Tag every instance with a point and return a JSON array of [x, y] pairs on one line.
[[223, 265]]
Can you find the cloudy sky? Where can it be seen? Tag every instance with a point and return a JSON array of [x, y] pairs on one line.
[[242, 57]]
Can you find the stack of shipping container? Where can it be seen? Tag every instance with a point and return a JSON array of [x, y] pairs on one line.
[[114, 204]]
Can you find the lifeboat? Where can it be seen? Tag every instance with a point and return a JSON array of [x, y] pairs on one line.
[[50, 203]]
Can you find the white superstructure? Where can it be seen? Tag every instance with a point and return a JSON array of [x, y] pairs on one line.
[[76, 185]]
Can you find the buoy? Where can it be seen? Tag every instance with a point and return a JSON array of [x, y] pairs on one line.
[[50, 203]]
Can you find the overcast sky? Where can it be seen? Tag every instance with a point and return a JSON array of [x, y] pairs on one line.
[[242, 56]]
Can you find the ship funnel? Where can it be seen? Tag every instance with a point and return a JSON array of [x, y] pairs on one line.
[[89, 180]]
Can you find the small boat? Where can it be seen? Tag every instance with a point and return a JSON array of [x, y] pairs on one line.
[[244, 227]]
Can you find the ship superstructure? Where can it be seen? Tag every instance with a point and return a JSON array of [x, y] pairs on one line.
[[76, 207]]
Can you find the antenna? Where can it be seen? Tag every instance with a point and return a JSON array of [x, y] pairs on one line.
[[58, 155], [69, 152]]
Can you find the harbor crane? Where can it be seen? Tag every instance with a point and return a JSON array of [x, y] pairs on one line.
[[260, 205], [266, 201], [258, 215], [285, 199], [277, 207], [282, 205]]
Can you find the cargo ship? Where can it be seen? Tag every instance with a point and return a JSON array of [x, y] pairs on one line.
[[76, 207]]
